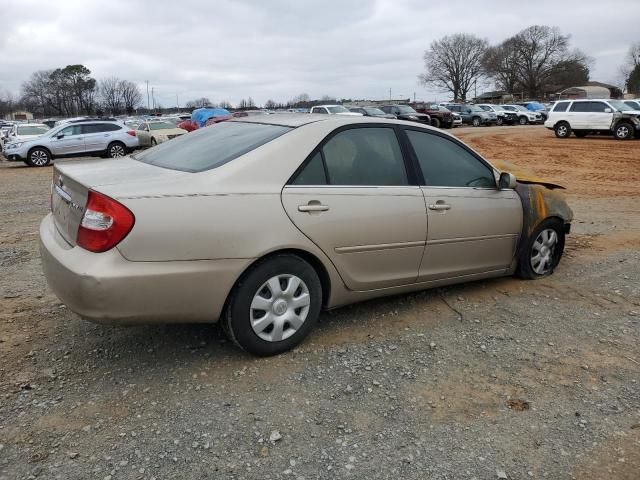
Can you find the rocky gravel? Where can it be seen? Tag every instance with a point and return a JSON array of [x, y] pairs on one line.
[[500, 379]]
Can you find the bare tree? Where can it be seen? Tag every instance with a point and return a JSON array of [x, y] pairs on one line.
[[198, 103], [539, 49], [131, 96], [500, 63], [454, 64], [111, 95], [270, 104], [225, 104]]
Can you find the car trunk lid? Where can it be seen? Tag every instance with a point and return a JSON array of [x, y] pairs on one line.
[[73, 180]]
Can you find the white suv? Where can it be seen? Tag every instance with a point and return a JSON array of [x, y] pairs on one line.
[[334, 110], [586, 116]]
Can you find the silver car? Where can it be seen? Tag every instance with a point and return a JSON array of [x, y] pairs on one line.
[[73, 139], [261, 222]]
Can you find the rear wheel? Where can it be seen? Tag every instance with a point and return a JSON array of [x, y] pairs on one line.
[[116, 149], [435, 122], [38, 157], [475, 121], [623, 131], [542, 251], [274, 306], [562, 130]]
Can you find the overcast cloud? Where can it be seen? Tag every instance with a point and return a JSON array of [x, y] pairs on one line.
[[232, 49]]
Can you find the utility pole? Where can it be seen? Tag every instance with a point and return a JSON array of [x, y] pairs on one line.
[[177, 102], [389, 93], [147, 94], [153, 99]]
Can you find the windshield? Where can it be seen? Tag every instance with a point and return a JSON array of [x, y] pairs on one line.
[[620, 105], [520, 107], [374, 111], [337, 109], [32, 130], [406, 109], [160, 126], [210, 147]]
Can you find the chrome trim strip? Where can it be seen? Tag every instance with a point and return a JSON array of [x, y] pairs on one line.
[[471, 239], [382, 246]]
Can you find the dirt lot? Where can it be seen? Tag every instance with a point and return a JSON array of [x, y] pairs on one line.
[[494, 379]]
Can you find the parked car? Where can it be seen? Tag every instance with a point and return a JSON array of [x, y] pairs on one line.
[[188, 125], [536, 107], [332, 110], [441, 117], [80, 138], [371, 112], [473, 115], [588, 116], [503, 116], [261, 225], [21, 132], [405, 112], [525, 116], [633, 104], [153, 132]]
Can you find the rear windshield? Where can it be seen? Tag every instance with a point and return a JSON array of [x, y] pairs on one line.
[[210, 147]]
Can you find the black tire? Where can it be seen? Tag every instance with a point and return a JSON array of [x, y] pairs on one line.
[[562, 130], [116, 150], [500, 121], [435, 122], [523, 120], [448, 126], [581, 134], [623, 131], [38, 157], [525, 264], [236, 319], [153, 142], [475, 121]]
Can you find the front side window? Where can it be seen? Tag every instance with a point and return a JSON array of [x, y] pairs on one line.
[[561, 107], [71, 130], [208, 148], [444, 163], [357, 156], [598, 107]]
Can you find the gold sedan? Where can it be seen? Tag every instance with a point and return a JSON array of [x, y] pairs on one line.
[[260, 223]]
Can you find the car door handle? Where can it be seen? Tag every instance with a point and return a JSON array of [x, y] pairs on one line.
[[313, 206], [439, 206]]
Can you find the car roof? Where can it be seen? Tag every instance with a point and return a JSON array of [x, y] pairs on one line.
[[298, 120], [328, 105], [31, 125]]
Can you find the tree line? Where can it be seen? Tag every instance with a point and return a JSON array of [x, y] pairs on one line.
[[72, 91], [533, 63]]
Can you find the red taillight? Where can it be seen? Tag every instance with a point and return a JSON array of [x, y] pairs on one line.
[[132, 133], [104, 224]]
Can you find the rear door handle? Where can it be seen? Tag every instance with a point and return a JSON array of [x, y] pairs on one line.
[[313, 206], [439, 206]]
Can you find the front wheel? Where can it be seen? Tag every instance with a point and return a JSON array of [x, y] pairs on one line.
[[475, 121], [38, 157], [562, 130], [274, 306], [500, 121], [623, 131], [523, 121], [153, 142], [542, 250]]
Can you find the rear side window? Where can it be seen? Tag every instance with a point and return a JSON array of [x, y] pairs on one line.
[[357, 157], [561, 107], [211, 147], [99, 127], [444, 163]]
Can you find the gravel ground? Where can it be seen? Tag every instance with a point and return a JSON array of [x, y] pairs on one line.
[[493, 379]]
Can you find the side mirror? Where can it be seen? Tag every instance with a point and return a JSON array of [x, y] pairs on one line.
[[507, 180], [608, 110], [59, 136]]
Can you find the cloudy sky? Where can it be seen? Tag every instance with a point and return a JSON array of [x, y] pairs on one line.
[[232, 49]]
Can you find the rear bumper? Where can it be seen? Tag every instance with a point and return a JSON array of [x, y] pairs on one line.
[[107, 288]]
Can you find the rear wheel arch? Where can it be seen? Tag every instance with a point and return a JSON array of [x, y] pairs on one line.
[[311, 259]]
